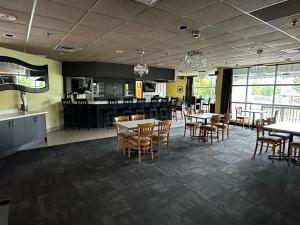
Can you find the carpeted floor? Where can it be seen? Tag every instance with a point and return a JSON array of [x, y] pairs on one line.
[[89, 183]]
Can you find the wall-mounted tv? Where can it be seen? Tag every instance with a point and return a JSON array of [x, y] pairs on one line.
[[149, 87]]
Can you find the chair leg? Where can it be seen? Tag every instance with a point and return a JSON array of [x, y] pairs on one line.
[[222, 134], [129, 149], [267, 147], [256, 145], [228, 131], [211, 141], [243, 122], [273, 153], [218, 135], [139, 154], [184, 131], [261, 146]]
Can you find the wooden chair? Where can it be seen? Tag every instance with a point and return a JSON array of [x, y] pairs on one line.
[[122, 135], [199, 111], [294, 151], [138, 117], [212, 128], [224, 124], [285, 137], [162, 135], [262, 139], [240, 117], [143, 141], [189, 124]]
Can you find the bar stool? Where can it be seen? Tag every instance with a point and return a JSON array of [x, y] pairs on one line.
[[111, 111], [140, 106], [294, 151], [68, 114], [153, 111], [84, 113], [163, 109], [173, 109], [127, 106]]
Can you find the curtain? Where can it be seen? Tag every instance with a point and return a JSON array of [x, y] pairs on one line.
[[226, 91]]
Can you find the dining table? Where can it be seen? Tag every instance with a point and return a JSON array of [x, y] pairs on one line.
[[133, 124], [293, 129], [254, 112]]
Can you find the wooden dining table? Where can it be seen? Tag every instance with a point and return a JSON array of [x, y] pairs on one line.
[[293, 129], [133, 124]]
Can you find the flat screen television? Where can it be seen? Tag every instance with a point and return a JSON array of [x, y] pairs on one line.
[[149, 87]]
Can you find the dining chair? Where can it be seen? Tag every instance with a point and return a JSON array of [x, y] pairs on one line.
[[189, 124], [122, 134], [240, 117], [206, 105], [138, 117], [143, 141], [262, 139], [294, 151], [285, 137], [224, 124], [161, 136], [211, 128]]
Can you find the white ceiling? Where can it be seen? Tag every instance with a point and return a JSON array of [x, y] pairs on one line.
[[230, 35]]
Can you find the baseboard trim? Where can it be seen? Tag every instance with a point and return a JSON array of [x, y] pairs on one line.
[[52, 129]]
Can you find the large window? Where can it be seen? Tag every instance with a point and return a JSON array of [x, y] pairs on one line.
[[205, 87], [277, 89]]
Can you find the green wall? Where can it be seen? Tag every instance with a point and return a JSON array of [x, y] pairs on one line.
[[49, 101], [172, 88]]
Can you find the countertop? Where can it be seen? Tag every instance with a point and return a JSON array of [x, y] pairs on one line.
[[11, 116]]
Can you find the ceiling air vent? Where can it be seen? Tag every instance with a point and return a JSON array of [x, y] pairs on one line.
[[66, 49], [291, 51], [147, 2]]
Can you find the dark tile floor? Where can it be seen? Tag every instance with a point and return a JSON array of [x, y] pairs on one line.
[[89, 183]]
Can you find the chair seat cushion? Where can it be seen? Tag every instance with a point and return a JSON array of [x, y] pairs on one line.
[[222, 125], [282, 135], [136, 139], [127, 134], [193, 124], [242, 117], [269, 138], [159, 135], [208, 127]]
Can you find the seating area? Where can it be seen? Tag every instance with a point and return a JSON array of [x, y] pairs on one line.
[[155, 112]]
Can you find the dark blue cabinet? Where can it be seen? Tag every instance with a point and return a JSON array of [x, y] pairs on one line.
[[17, 132]]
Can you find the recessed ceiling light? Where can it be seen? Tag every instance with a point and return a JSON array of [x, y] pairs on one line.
[[183, 27], [160, 64], [9, 35], [119, 51], [7, 17], [147, 2], [251, 48], [291, 51]]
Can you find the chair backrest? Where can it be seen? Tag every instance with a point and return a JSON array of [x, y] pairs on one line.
[[138, 117], [120, 119], [127, 103], [238, 110], [259, 127], [226, 117], [186, 114], [271, 120], [146, 130], [164, 127], [215, 119], [82, 101], [276, 115], [199, 111]]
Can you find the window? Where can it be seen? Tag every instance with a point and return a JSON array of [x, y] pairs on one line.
[[277, 90], [204, 87]]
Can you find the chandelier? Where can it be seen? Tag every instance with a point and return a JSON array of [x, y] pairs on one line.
[[259, 68], [141, 68], [195, 59]]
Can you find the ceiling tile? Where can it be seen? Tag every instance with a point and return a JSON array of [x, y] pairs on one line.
[[182, 39], [275, 43], [19, 5], [268, 37], [254, 31], [237, 23], [88, 31], [209, 32], [77, 41], [124, 9], [214, 14], [155, 17], [77, 3], [224, 38], [47, 33], [58, 11], [101, 21], [134, 28], [251, 5], [183, 7], [53, 24], [22, 17], [116, 36], [286, 23], [160, 35], [13, 27], [192, 24]]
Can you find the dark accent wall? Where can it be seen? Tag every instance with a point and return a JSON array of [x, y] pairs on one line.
[[113, 70]]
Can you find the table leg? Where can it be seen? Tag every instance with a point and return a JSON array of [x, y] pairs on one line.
[[253, 120]]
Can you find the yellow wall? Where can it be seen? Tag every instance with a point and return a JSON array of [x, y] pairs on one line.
[[49, 101], [172, 88]]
